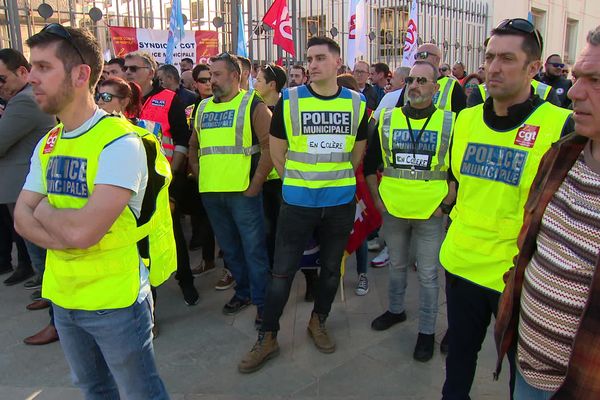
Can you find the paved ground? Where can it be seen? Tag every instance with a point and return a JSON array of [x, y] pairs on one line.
[[198, 350]]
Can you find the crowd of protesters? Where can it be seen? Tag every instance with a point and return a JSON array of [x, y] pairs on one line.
[[493, 175]]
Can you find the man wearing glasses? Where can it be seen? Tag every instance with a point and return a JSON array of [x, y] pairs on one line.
[[164, 107], [361, 74], [412, 143], [86, 200], [496, 149], [553, 77], [229, 155]]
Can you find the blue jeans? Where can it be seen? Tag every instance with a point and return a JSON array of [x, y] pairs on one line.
[[109, 350], [239, 226], [524, 391], [427, 236]]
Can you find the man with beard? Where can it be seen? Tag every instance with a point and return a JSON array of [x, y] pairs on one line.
[[297, 76], [496, 150], [91, 189], [230, 158], [412, 144]]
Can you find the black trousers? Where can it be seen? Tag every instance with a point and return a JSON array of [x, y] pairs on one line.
[[176, 191], [271, 203], [295, 227], [8, 236], [470, 308]]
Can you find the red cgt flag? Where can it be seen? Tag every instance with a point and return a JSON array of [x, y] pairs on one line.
[[278, 18]]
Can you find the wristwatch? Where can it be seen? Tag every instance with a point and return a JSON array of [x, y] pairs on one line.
[[446, 208]]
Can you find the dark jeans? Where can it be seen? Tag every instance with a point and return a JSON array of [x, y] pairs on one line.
[[271, 203], [191, 204], [8, 236], [295, 227], [470, 308], [184, 273]]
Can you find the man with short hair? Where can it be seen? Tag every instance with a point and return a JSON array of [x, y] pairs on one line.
[[549, 308], [553, 76], [186, 64], [496, 149], [361, 74], [187, 80], [229, 154], [378, 73], [163, 106], [318, 136], [391, 99], [93, 194], [414, 194], [458, 71], [168, 78], [397, 82], [114, 68], [297, 76], [246, 68]]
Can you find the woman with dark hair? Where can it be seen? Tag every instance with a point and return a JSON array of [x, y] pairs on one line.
[[270, 80], [471, 83]]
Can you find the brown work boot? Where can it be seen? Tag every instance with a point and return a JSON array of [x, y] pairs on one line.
[[265, 348], [318, 332]]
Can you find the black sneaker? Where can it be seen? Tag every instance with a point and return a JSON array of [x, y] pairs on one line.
[[6, 268], [21, 274], [190, 294], [36, 295], [444, 345], [387, 320], [235, 305], [424, 347]]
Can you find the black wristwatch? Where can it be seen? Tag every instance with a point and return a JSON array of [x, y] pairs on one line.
[[446, 208]]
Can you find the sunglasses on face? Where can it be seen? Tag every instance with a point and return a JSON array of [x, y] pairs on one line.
[[557, 65], [471, 85], [132, 68], [443, 69], [421, 80], [203, 80], [61, 32], [422, 55], [106, 97], [521, 25]]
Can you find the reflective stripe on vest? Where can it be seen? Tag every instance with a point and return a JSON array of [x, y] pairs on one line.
[[156, 108], [321, 133], [442, 101], [494, 171], [540, 89], [105, 275], [407, 189], [225, 168]]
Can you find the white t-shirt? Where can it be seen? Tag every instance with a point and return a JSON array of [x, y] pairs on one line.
[[388, 101], [122, 163]]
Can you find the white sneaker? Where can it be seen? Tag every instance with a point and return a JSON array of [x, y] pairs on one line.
[[382, 259], [373, 244], [362, 287]]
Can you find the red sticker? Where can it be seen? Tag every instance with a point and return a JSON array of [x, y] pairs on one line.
[[51, 140], [527, 135]]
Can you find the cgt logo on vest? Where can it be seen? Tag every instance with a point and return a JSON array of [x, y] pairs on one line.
[[527, 135], [51, 140], [67, 176], [326, 122]]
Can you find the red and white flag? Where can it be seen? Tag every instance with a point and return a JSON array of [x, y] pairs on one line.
[[278, 18]]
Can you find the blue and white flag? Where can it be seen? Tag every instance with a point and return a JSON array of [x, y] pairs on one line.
[[241, 37], [176, 32]]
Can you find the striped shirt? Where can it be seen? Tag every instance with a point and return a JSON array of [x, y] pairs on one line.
[[559, 276]]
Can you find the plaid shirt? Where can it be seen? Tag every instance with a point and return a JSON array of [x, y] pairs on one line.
[[583, 373]]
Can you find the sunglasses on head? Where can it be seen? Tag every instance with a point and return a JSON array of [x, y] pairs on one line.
[[521, 25], [106, 97], [228, 58], [421, 80], [269, 68], [422, 55], [203, 80], [557, 65], [132, 68], [61, 32]]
